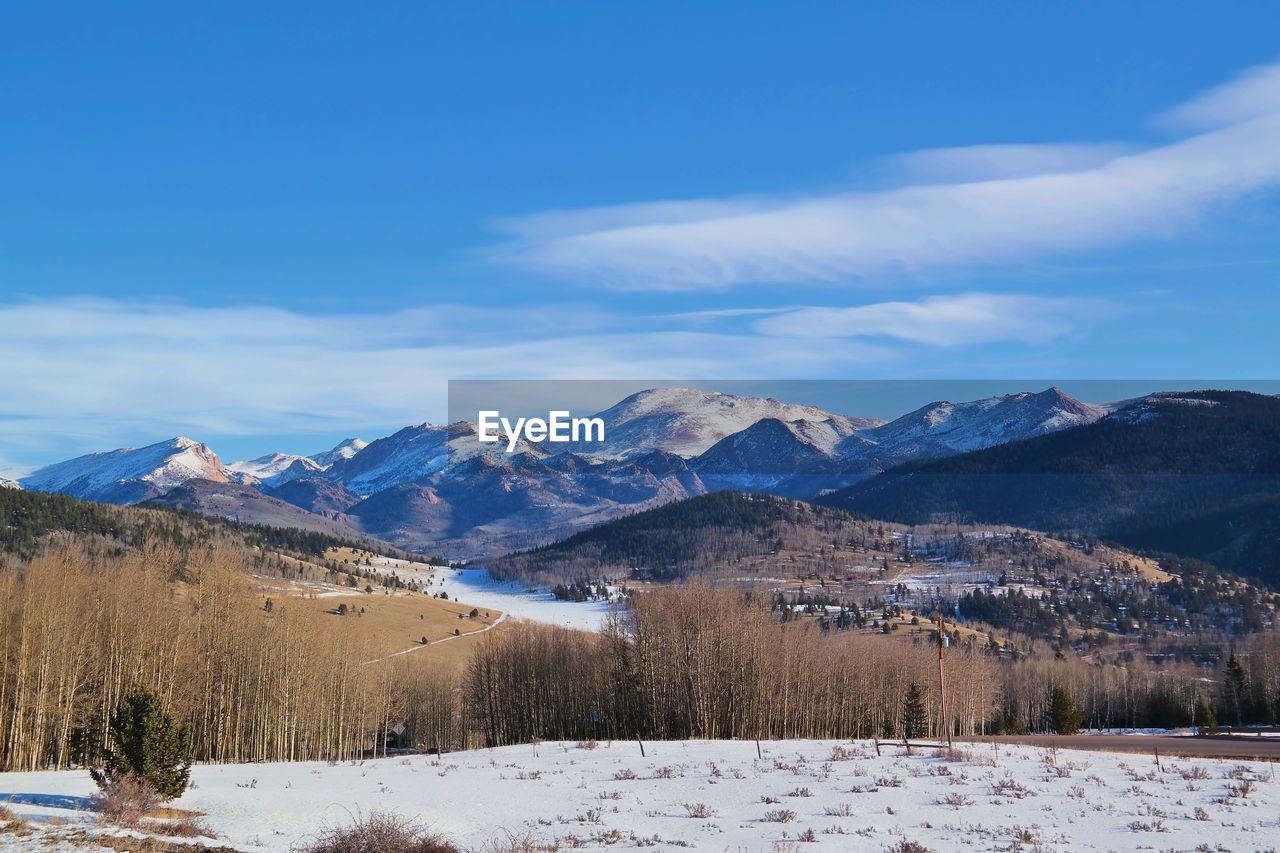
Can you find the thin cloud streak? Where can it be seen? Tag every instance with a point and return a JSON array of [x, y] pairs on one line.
[[1076, 198], [946, 321]]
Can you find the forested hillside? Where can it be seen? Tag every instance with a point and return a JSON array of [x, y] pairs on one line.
[[1197, 474], [1019, 589], [28, 517], [701, 534]]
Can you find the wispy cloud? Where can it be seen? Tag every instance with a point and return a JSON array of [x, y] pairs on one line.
[[981, 206], [994, 162], [947, 321], [1254, 94], [92, 374]]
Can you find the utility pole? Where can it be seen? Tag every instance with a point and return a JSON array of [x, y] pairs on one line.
[[942, 679]]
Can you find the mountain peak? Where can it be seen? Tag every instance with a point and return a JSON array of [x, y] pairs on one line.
[[129, 474], [344, 449], [688, 421]]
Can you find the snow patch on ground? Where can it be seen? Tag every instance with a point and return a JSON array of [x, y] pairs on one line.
[[479, 589]]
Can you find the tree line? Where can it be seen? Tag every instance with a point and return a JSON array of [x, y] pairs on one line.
[[704, 662]]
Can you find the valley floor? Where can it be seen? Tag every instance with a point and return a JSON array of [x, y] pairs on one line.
[[715, 796]]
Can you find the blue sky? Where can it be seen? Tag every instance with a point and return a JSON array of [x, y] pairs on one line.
[[269, 228]]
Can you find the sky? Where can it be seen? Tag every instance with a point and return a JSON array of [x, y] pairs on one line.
[[272, 226]]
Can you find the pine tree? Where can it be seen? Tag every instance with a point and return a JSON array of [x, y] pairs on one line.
[[1235, 690], [914, 715], [148, 743], [1205, 716], [1064, 716]]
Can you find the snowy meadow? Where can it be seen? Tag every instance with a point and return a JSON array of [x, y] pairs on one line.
[[706, 795]]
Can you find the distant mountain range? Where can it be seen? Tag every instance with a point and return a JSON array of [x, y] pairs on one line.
[[433, 487]]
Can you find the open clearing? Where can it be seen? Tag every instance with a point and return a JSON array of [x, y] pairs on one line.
[[719, 796]]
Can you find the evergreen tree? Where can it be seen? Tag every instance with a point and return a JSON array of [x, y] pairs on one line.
[[1205, 716], [148, 743], [1064, 716], [1235, 690], [914, 716]]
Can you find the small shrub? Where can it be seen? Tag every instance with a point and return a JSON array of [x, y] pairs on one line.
[[842, 810], [700, 810], [126, 800], [1241, 789], [800, 792], [779, 815], [380, 832], [905, 846], [624, 775], [956, 800], [1023, 835], [587, 744], [808, 836], [1010, 787]]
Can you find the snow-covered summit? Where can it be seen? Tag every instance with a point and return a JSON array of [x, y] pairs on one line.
[[944, 427], [129, 474], [344, 450], [275, 468], [407, 456], [687, 421]]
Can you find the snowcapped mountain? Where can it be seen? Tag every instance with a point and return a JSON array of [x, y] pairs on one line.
[[6, 483], [806, 458], [129, 475], [944, 428], [687, 422], [345, 450], [411, 455], [274, 469]]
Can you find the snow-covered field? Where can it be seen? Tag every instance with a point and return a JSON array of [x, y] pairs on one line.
[[719, 796]]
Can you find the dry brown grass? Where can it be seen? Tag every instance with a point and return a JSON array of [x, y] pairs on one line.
[[11, 821], [171, 813], [183, 828], [394, 623], [129, 844]]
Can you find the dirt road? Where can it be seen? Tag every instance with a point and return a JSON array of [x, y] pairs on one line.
[[1244, 747]]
